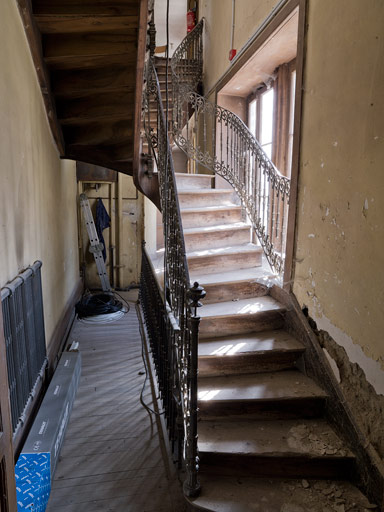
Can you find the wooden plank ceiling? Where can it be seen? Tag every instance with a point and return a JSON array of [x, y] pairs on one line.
[[85, 54]]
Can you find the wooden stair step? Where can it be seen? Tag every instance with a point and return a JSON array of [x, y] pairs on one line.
[[261, 275], [248, 353], [225, 258], [205, 197], [193, 181], [212, 237], [233, 290], [241, 316], [249, 494], [290, 449], [275, 395], [211, 215]]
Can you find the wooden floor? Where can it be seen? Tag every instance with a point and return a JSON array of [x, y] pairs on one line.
[[112, 459]]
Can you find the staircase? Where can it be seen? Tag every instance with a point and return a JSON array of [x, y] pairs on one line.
[[252, 427], [263, 441]]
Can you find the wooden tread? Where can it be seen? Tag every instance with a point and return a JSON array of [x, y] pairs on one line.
[[288, 394], [254, 352], [294, 449], [212, 237], [233, 290], [205, 197], [242, 316], [193, 181], [226, 258], [211, 215]]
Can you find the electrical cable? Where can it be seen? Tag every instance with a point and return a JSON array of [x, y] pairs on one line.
[[98, 304], [104, 319], [124, 300]]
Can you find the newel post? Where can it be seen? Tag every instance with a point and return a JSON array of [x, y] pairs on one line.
[[191, 485]]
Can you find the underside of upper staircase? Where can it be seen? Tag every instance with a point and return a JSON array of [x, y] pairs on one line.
[[89, 57]]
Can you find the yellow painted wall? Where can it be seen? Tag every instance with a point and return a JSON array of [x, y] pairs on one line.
[[249, 14], [38, 191], [340, 236], [340, 228]]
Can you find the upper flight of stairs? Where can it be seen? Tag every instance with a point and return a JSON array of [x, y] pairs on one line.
[[264, 442], [160, 65]]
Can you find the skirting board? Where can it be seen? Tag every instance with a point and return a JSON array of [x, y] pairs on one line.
[[56, 343]]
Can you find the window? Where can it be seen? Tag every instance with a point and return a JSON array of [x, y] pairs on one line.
[[271, 116], [260, 118], [291, 120]]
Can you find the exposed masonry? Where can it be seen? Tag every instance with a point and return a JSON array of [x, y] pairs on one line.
[[367, 405]]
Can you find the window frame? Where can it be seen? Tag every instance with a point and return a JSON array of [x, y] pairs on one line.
[[281, 121]]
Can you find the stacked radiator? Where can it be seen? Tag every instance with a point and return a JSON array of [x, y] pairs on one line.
[[22, 305]]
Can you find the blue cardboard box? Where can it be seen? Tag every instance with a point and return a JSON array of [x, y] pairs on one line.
[[37, 462]]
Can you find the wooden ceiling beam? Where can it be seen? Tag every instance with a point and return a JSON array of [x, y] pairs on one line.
[[57, 24], [67, 82], [85, 7], [74, 45], [34, 41]]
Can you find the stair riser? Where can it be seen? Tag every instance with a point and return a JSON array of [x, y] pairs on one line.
[[200, 201], [247, 363], [192, 181], [261, 409], [212, 327], [277, 466], [224, 262], [216, 239], [223, 292], [208, 218]]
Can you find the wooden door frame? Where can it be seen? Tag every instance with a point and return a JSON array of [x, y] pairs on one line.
[[7, 471], [260, 37]]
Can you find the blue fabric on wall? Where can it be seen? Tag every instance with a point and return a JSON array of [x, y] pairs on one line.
[[103, 221]]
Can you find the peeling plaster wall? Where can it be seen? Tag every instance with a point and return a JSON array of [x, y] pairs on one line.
[[367, 405], [340, 229], [339, 248], [38, 190]]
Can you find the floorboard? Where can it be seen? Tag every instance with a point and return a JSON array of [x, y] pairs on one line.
[[111, 459]]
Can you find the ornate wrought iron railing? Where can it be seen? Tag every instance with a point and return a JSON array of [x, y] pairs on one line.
[[220, 141], [171, 319]]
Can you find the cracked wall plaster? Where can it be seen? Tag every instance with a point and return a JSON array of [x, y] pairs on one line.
[[366, 404], [340, 230]]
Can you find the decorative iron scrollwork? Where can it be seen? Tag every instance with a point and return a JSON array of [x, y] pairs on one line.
[[234, 153]]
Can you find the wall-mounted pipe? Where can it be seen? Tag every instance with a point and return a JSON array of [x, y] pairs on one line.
[[232, 51]]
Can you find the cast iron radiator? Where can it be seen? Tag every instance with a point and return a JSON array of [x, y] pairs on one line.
[[23, 319]]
